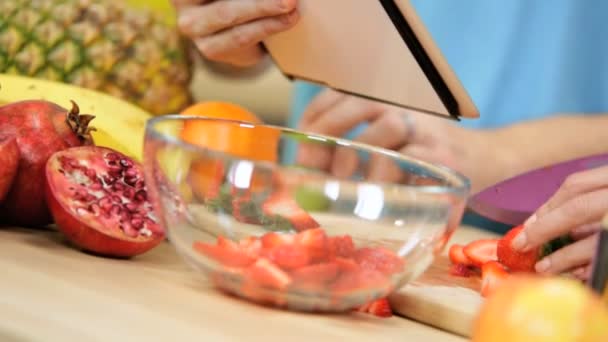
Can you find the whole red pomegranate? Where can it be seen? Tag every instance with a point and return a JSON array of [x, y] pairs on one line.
[[99, 200], [40, 129], [9, 160]]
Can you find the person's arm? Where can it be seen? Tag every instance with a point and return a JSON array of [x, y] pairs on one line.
[[529, 145]]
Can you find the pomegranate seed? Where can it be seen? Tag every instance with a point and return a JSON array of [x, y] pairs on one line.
[[132, 207], [116, 210], [131, 181], [115, 173], [131, 173], [118, 187], [140, 184], [91, 174], [96, 187], [105, 204], [129, 193], [91, 198], [125, 216], [109, 180], [137, 223], [141, 195], [112, 157], [94, 208]]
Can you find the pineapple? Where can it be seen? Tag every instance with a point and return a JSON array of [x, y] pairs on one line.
[[97, 44]]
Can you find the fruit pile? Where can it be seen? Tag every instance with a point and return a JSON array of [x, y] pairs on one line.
[[51, 172], [496, 259], [306, 263]]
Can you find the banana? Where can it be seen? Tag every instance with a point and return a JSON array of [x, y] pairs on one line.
[[120, 125]]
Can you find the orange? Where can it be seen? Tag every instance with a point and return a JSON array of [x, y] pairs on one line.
[[247, 142], [536, 308]]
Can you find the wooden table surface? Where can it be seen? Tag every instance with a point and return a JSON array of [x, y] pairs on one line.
[[52, 292]]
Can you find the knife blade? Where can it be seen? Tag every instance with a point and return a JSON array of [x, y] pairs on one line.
[[513, 200]]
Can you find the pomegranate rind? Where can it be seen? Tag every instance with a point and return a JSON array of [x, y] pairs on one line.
[[9, 163], [88, 231]]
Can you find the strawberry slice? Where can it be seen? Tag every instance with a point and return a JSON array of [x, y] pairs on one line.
[[289, 257], [493, 274], [226, 243], [381, 308], [265, 273], [283, 205], [318, 273], [346, 265], [315, 241], [481, 251], [460, 270], [379, 259], [226, 256], [341, 246], [272, 240], [360, 280], [457, 256], [514, 260], [251, 245]]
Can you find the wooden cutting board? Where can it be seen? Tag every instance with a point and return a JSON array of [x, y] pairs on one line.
[[442, 300]]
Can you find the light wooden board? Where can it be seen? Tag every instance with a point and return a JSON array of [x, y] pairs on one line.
[[440, 299], [52, 292]]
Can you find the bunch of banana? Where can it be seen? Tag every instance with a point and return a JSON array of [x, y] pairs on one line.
[[120, 125]]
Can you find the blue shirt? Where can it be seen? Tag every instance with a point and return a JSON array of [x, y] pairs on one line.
[[518, 59]]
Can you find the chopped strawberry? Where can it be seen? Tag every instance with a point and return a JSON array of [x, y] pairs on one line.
[[341, 246], [379, 259], [226, 256], [381, 308], [346, 265], [481, 251], [514, 260], [289, 257], [251, 245], [364, 307], [318, 273], [265, 273], [457, 256], [226, 243], [492, 275], [272, 240], [315, 241], [460, 270], [283, 205]]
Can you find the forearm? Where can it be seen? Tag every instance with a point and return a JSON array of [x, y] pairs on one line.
[[533, 144]]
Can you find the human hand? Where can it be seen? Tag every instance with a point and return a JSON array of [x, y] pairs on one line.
[[577, 209], [230, 31], [421, 136]]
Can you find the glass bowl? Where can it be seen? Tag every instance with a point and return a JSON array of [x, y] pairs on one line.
[[297, 220]]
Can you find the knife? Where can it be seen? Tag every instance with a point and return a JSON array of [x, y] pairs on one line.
[[512, 201], [599, 276]]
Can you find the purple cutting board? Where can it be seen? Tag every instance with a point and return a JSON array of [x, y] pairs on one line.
[[512, 201]]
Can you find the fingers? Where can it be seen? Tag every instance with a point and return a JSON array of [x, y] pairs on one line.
[[243, 40], [578, 211], [574, 185], [200, 21], [320, 104], [388, 131], [342, 116], [583, 273], [585, 230], [574, 255]]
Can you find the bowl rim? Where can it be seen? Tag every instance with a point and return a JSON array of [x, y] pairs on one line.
[[452, 175]]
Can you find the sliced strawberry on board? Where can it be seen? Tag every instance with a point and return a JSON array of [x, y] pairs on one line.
[[379, 259], [289, 257], [457, 256], [481, 251], [514, 260], [493, 274], [251, 245], [283, 205], [264, 273], [226, 243], [315, 241], [341, 246], [226, 256]]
